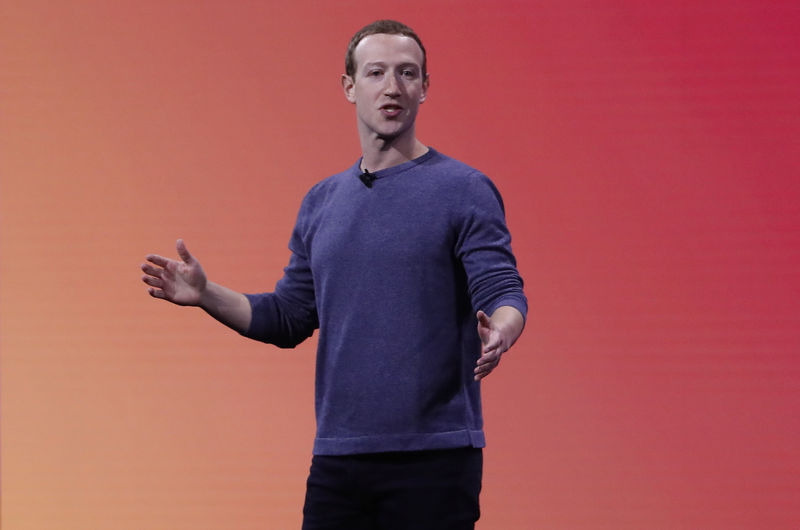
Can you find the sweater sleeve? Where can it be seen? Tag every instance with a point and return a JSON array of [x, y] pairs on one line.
[[483, 246], [287, 316]]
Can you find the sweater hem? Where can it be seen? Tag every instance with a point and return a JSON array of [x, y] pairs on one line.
[[399, 442]]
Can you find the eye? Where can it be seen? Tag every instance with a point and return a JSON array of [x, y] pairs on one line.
[[374, 73], [410, 74]]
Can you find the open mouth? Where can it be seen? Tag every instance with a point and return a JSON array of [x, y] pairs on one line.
[[391, 110]]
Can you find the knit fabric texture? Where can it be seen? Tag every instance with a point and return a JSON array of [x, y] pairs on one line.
[[392, 276]]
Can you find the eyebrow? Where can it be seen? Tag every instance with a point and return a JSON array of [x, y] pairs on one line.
[[383, 64]]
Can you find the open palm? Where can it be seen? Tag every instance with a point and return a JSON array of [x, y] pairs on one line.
[[180, 282]]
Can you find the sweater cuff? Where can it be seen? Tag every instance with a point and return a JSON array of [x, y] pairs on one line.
[[518, 302], [263, 311]]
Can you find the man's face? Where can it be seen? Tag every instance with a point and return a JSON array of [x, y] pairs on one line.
[[388, 87]]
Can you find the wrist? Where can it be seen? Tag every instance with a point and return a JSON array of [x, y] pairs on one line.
[[508, 322], [206, 296]]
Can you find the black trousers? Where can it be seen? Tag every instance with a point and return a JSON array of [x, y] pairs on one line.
[[415, 490]]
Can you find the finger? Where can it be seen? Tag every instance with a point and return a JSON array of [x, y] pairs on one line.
[[489, 357], [153, 281], [484, 327], [152, 271], [480, 374], [161, 261], [486, 369], [183, 252], [157, 293]]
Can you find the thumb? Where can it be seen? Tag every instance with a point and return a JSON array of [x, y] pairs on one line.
[[183, 252], [484, 326]]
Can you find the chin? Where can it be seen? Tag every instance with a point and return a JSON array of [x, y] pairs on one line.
[[392, 132]]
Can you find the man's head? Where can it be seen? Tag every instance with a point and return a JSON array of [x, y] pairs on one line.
[[388, 82], [388, 27]]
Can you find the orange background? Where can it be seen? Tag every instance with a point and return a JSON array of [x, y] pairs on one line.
[[648, 157]]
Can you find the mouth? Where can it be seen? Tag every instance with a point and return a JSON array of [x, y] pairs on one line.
[[391, 110]]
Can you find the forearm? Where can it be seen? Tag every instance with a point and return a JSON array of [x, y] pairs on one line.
[[227, 306]]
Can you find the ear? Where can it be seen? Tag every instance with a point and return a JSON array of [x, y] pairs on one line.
[[349, 88], [425, 84]]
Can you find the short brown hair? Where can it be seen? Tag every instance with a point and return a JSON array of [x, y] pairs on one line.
[[387, 27]]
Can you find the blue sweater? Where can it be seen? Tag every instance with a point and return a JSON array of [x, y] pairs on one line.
[[392, 276]]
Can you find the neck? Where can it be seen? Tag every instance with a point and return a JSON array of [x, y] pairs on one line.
[[379, 153]]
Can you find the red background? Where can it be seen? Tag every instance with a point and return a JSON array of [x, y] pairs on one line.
[[648, 156]]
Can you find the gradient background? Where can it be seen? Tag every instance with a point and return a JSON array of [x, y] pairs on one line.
[[648, 156]]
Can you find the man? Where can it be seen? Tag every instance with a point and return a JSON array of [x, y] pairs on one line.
[[403, 263]]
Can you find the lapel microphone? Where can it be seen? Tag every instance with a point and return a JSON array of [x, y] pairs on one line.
[[367, 178]]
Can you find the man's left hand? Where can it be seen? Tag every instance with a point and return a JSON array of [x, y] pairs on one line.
[[498, 333]]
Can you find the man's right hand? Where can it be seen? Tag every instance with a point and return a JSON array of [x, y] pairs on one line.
[[180, 282]]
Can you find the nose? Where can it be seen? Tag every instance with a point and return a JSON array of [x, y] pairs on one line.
[[392, 87]]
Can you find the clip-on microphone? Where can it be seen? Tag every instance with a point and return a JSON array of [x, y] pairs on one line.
[[367, 178]]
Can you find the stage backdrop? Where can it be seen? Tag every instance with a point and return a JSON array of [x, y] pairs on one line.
[[648, 156]]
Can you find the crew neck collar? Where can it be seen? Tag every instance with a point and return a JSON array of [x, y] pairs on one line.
[[399, 167]]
